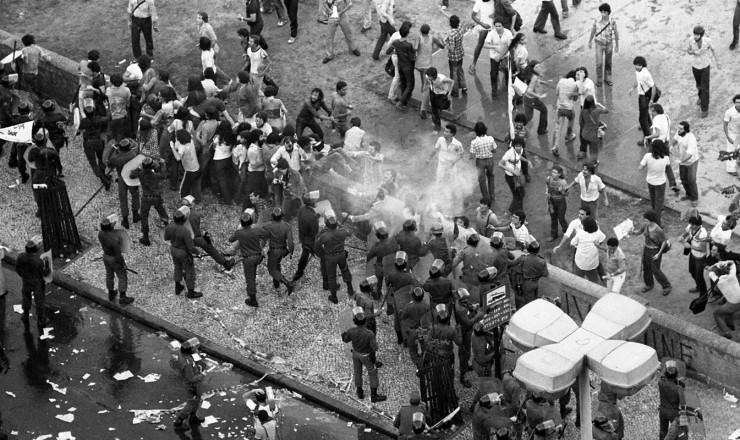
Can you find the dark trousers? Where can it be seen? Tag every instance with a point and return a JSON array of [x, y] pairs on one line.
[[250, 264], [358, 361], [457, 75], [187, 184], [292, 7], [34, 290], [701, 77], [184, 267], [19, 150], [548, 8], [334, 261], [147, 202], [643, 105], [191, 405], [657, 199], [119, 128], [224, 170], [725, 318], [290, 206], [517, 194], [115, 269], [592, 145], [306, 252], [736, 24], [301, 125], [436, 118], [696, 269], [210, 249], [94, 154], [123, 191], [532, 104], [651, 268], [139, 26], [482, 34], [688, 180], [485, 169], [529, 290], [495, 66], [274, 258], [386, 30], [559, 206], [407, 84], [463, 352]]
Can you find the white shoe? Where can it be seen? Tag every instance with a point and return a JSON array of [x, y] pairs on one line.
[[291, 40]]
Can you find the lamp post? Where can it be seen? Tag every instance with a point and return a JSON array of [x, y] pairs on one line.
[[558, 352]]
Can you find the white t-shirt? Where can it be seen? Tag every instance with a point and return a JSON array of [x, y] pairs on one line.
[[353, 139], [644, 81], [687, 147], [135, 74], [485, 11], [521, 234], [222, 151], [718, 235], [655, 169], [586, 88], [663, 124], [255, 59], [732, 117], [513, 159], [590, 193], [573, 227], [207, 59], [693, 239], [587, 254]]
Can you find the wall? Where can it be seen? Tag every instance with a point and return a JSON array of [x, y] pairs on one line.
[[57, 78], [709, 357]]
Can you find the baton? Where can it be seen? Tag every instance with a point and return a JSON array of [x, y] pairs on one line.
[[92, 197]]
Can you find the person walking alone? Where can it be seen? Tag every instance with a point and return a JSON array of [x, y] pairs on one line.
[[604, 32], [699, 48], [142, 18], [652, 256]]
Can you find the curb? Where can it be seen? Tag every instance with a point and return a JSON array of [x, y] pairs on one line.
[[214, 349]]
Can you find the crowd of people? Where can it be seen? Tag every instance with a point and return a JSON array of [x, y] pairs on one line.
[[260, 159]]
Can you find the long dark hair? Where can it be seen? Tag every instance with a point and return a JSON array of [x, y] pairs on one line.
[[589, 103], [659, 149], [516, 40]]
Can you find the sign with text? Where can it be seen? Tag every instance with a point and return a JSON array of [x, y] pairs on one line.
[[498, 308]]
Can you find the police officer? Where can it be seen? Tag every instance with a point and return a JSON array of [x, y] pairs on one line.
[[440, 288], [364, 299], [18, 149], [603, 429], [281, 245], [417, 316], [670, 391], [202, 239], [32, 270], [330, 246], [533, 267], [398, 279], [437, 245], [308, 230], [115, 265], [151, 175], [483, 347], [190, 366], [486, 279], [489, 417], [471, 260], [409, 242], [93, 127], [445, 338], [466, 315], [47, 162], [364, 346], [182, 251], [543, 418], [251, 240], [54, 122], [383, 248], [607, 407], [125, 151], [404, 420], [501, 258]]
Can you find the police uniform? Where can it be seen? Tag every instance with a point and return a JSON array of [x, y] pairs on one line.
[[18, 149], [362, 299], [437, 245], [465, 318], [417, 315], [484, 353], [202, 241], [151, 177], [440, 291], [409, 243], [446, 337], [489, 418], [308, 230], [192, 374], [671, 396], [396, 280], [32, 270], [182, 250], [538, 414], [533, 267], [330, 246], [127, 151], [607, 407], [53, 121], [380, 250], [251, 239], [115, 265], [281, 245], [364, 346], [48, 166], [404, 419], [92, 129]]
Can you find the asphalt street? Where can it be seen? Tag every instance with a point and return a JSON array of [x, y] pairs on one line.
[[69, 383]]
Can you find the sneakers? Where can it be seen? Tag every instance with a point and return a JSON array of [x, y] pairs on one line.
[[282, 23], [325, 60], [570, 138], [291, 40], [323, 20]]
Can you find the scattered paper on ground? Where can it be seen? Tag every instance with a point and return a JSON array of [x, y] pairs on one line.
[[56, 387], [147, 415], [152, 377], [209, 421], [123, 375], [10, 394], [47, 333], [17, 308], [66, 435], [205, 405], [69, 418]]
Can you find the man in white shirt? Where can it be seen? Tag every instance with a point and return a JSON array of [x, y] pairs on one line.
[[644, 84], [732, 131], [661, 130], [482, 15], [294, 155], [497, 43], [567, 94], [699, 48], [450, 152], [688, 156], [184, 151]]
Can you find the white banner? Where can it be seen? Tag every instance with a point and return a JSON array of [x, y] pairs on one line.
[[17, 133]]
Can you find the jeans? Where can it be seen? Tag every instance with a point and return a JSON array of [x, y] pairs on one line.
[[688, 180], [593, 146], [562, 115], [517, 194], [604, 61], [436, 118], [736, 24], [187, 185], [548, 8], [485, 169], [393, 93], [94, 154], [643, 105], [651, 268], [146, 205], [407, 84], [724, 316], [590, 275], [701, 77], [119, 128], [291, 7], [495, 65], [457, 75], [696, 270], [424, 102], [249, 265], [224, 170], [530, 105], [386, 30], [123, 191], [342, 23], [300, 126], [138, 26], [367, 14], [657, 199], [559, 206]]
